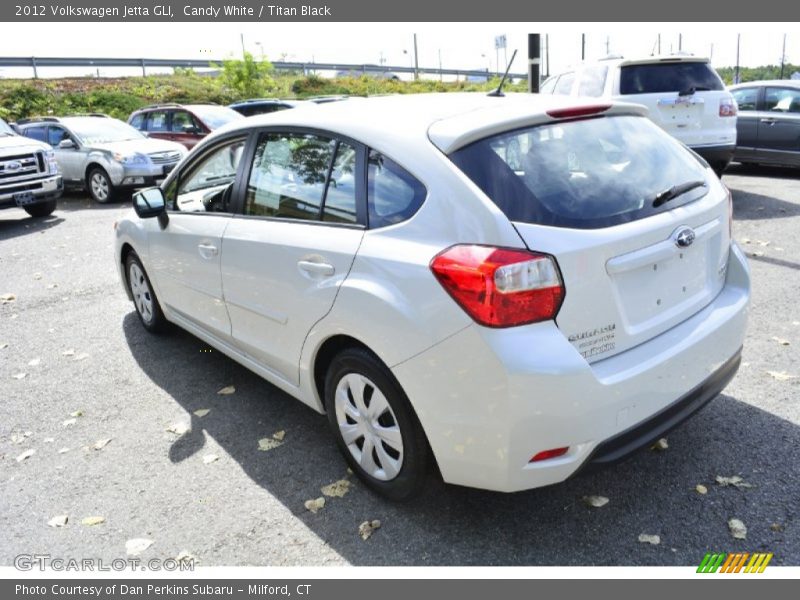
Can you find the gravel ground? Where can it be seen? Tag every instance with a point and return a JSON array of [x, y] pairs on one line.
[[73, 333]]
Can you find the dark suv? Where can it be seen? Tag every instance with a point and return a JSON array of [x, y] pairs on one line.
[[262, 106], [183, 123]]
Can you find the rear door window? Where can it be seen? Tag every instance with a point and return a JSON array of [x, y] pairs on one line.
[[38, 132], [654, 78], [746, 98], [157, 121], [583, 174]]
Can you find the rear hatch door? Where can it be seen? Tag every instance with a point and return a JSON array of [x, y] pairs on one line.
[[638, 226]]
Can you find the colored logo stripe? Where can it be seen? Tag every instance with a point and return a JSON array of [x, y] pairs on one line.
[[734, 563]]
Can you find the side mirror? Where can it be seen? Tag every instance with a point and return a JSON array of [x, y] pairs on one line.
[[150, 203], [66, 144]]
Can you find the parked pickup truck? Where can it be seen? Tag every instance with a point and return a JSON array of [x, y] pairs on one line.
[[29, 175]]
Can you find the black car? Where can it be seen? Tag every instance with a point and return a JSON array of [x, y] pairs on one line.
[[261, 106], [768, 126]]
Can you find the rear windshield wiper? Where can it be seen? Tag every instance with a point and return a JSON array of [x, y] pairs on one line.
[[675, 191], [693, 89]]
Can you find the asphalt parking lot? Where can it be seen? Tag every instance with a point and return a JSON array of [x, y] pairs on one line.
[[91, 374]]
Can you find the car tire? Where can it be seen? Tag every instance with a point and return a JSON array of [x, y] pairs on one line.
[[41, 209], [397, 463], [99, 185], [144, 297]]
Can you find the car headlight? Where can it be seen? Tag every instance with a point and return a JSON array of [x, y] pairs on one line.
[[131, 159], [50, 159]]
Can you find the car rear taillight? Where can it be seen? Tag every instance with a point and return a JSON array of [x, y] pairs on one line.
[[727, 107], [730, 212], [500, 287]]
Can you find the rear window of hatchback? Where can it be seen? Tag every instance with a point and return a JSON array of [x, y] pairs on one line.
[[583, 174], [654, 78]]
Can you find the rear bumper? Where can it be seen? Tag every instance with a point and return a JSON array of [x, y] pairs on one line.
[[644, 434], [716, 155], [490, 399]]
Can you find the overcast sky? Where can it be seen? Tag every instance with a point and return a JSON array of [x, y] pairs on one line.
[[462, 45]]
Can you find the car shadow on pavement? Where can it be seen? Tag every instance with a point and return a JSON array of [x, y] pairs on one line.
[[11, 227], [757, 207], [652, 493], [75, 200], [753, 170]]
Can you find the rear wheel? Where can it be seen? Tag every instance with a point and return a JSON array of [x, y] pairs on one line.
[[375, 426], [100, 187], [41, 209], [144, 298]]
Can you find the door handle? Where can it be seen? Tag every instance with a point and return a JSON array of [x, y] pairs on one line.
[[316, 268], [207, 250], [769, 121]]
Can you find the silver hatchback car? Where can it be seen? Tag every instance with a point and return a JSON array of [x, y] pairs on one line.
[[102, 154]]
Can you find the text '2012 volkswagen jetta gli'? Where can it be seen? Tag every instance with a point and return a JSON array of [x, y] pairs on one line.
[[514, 317]]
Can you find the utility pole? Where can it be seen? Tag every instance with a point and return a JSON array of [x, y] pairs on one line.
[[241, 35], [736, 76], [547, 55], [783, 55], [608, 45], [416, 59], [659, 43], [583, 46], [440, 64], [680, 42]]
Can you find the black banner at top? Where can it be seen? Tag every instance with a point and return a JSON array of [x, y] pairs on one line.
[[277, 11]]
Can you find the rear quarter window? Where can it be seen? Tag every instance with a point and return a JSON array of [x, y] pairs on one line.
[[393, 194], [564, 85], [655, 78], [584, 174], [593, 81]]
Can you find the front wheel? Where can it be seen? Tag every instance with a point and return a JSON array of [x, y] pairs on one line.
[[100, 187], [41, 209], [144, 298], [374, 425]]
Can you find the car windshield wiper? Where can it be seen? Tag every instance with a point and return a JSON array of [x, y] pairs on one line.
[[675, 191], [693, 89]]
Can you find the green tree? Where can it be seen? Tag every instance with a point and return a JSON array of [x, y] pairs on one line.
[[249, 77]]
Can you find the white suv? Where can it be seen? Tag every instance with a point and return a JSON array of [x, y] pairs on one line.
[[383, 261], [683, 93]]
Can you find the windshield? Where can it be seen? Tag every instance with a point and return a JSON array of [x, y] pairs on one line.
[[215, 117], [583, 174], [100, 130], [5, 129]]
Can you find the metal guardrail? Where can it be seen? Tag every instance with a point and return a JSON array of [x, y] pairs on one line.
[[35, 62]]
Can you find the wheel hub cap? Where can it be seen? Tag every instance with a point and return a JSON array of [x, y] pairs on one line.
[[369, 427]]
